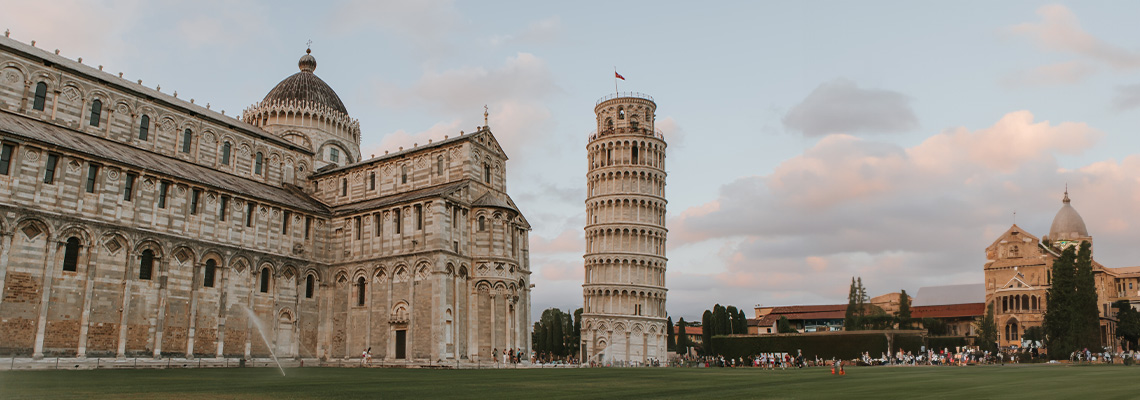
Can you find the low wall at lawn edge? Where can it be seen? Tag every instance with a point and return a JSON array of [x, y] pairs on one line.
[[841, 344]]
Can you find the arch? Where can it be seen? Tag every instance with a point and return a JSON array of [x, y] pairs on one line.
[[1011, 329], [361, 290], [264, 277], [310, 284], [209, 271], [96, 112]]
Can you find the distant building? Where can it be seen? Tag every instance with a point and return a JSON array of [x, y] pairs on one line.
[[1018, 275]]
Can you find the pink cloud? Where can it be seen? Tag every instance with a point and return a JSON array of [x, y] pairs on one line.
[[568, 241]]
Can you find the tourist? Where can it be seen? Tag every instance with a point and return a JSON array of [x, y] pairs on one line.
[[363, 357]]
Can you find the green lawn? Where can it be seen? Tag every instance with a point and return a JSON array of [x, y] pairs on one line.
[[970, 383]]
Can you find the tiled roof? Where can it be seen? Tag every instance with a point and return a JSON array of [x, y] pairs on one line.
[[808, 309], [949, 311], [492, 199], [232, 121], [434, 191], [110, 151]]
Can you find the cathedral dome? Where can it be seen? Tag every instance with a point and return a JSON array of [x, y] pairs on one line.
[[1068, 224], [305, 87]]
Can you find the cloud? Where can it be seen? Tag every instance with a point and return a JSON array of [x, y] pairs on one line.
[[840, 106], [568, 241], [1127, 97], [1065, 73], [425, 25], [1060, 31], [86, 25], [543, 31], [232, 25], [900, 217]]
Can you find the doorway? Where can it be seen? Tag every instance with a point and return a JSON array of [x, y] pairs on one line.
[[401, 343]]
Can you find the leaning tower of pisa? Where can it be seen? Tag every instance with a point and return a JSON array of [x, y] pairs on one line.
[[624, 317]]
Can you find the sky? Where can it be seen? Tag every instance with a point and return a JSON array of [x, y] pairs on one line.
[[809, 142]]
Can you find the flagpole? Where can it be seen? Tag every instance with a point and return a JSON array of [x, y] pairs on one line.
[[616, 92]]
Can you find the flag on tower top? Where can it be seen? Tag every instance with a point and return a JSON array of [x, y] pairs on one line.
[[617, 75]]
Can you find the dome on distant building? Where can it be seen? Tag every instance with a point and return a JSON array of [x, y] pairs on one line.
[[1068, 224], [305, 87]]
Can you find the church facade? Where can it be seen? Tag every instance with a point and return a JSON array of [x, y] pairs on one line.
[[135, 223], [1018, 275]]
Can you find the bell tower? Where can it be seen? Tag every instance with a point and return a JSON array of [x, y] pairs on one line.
[[624, 307]]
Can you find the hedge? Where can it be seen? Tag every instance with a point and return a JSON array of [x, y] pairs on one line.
[[826, 345]]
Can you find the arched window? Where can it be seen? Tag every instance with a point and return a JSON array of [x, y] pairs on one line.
[[621, 113], [403, 174], [186, 136], [309, 287], [146, 264], [344, 186], [439, 165], [634, 154], [226, 153], [41, 96], [487, 173], [258, 162], [96, 112], [208, 274], [482, 222], [372, 181], [265, 280], [144, 127], [361, 288], [71, 254], [609, 123]]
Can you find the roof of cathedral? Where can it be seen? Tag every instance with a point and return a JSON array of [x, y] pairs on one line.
[[372, 204], [232, 121], [492, 199], [949, 294], [1068, 224], [305, 87], [104, 149]]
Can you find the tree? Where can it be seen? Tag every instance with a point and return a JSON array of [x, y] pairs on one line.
[[558, 339], [682, 337], [576, 342], [935, 326], [849, 321], [1059, 336], [904, 310], [1086, 313], [783, 326], [669, 343], [1127, 323], [987, 330], [743, 321], [706, 332]]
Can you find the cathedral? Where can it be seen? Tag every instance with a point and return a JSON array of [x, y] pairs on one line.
[[134, 223], [1018, 274]]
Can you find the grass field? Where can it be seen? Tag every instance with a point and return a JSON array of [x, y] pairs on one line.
[[971, 383]]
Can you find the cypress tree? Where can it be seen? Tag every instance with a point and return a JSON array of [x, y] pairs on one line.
[[1059, 335], [1086, 313], [557, 340], [706, 332], [682, 337], [577, 333], [723, 324], [743, 328], [904, 310], [669, 343], [849, 319]]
